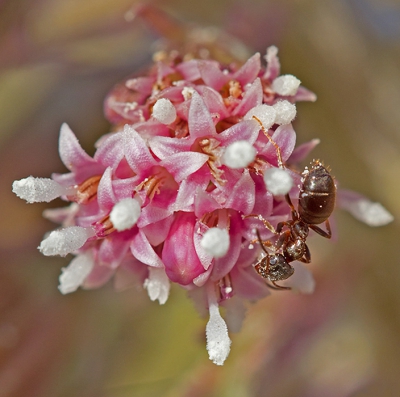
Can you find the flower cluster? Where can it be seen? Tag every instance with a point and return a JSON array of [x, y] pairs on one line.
[[172, 192]]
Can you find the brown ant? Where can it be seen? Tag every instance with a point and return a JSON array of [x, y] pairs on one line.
[[316, 202]]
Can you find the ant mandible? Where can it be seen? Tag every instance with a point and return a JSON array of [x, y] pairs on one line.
[[317, 198]]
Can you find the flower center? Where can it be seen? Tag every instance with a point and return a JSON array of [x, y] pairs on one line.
[[86, 191]]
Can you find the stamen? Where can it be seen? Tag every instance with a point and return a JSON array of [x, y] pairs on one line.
[[87, 190]]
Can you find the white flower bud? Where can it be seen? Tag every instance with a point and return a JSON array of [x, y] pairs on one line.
[[216, 242], [36, 190], [125, 214], [239, 154], [278, 181], [265, 113], [75, 273], [164, 111], [286, 85]]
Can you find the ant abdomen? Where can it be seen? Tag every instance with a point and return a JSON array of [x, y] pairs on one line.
[[317, 195]]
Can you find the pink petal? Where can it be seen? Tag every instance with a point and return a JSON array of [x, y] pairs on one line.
[[245, 130], [204, 203], [252, 97], [143, 251], [163, 147], [200, 121], [302, 151], [152, 213], [249, 71], [157, 232], [182, 264], [142, 84], [214, 101], [302, 279], [136, 152], [113, 249], [273, 68], [303, 94], [110, 152], [181, 165], [242, 196], [263, 199], [189, 70], [248, 284], [212, 75], [105, 193], [71, 152], [222, 266], [98, 277], [285, 138], [185, 198]]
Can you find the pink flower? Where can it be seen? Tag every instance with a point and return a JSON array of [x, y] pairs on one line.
[[176, 192]]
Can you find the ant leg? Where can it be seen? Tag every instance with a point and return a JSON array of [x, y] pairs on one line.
[[277, 287], [282, 240], [294, 212], [323, 233], [277, 148], [307, 255], [280, 226], [263, 220], [261, 242]]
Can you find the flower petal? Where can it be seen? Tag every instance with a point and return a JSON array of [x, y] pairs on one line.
[[242, 196], [181, 165], [71, 152], [143, 251], [182, 264], [136, 152], [200, 121]]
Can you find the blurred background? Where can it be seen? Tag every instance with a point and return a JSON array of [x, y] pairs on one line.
[[58, 59]]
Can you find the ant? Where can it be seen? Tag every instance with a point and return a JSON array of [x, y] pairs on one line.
[[317, 198]]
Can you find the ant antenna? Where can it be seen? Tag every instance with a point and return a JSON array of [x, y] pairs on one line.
[[277, 148]]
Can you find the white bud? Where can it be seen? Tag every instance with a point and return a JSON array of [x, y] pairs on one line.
[[265, 113], [75, 273], [278, 181], [157, 285], [164, 111], [285, 112], [286, 85], [36, 190], [125, 214], [218, 341], [239, 154], [216, 242], [187, 93], [64, 241]]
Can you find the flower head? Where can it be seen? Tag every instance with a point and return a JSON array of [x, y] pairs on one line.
[[193, 168]]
